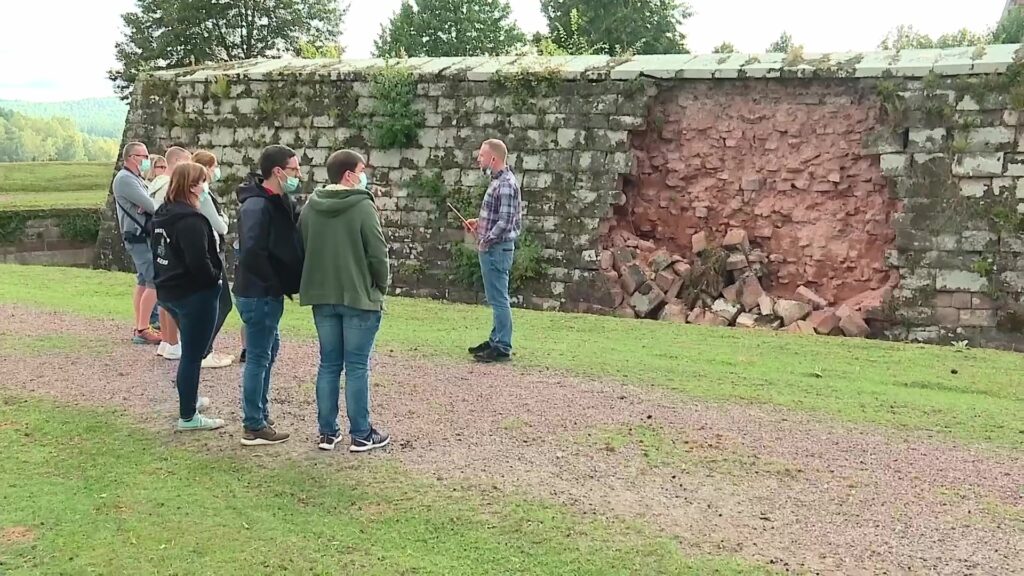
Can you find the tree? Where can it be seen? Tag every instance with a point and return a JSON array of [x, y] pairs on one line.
[[1010, 29], [724, 48], [449, 28], [638, 26], [783, 45], [561, 42], [161, 34], [905, 37]]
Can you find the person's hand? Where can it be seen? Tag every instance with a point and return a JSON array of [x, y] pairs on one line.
[[470, 225]]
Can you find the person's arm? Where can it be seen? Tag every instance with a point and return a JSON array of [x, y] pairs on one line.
[[504, 196], [376, 249], [207, 208], [137, 194], [254, 240], [193, 237]]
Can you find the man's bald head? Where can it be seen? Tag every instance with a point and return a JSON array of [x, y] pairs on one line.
[[176, 155], [493, 154]]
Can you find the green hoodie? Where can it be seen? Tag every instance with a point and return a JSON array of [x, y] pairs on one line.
[[346, 254]]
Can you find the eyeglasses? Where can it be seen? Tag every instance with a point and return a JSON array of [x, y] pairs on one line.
[[139, 155]]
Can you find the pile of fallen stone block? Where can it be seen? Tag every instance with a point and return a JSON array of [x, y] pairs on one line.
[[724, 285]]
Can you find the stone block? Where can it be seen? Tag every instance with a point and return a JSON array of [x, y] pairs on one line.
[[882, 141], [607, 260], [800, 327], [736, 239], [983, 302], [853, 325], [979, 165], [960, 300], [978, 241], [953, 280], [385, 158], [607, 140], [926, 140], [660, 260], [824, 321], [726, 310], [736, 262], [664, 280], [646, 299], [751, 292], [731, 293], [894, 164], [695, 316], [988, 139], [627, 122], [807, 295], [675, 312], [978, 318], [633, 277], [974, 187], [570, 139], [622, 256], [791, 311], [682, 270], [746, 320], [767, 305], [947, 316], [1014, 165]]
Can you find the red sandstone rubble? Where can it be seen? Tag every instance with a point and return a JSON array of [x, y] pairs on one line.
[[723, 286]]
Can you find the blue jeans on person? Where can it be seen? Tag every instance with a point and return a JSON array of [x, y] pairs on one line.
[[346, 339], [495, 266], [154, 318], [196, 316], [261, 317]]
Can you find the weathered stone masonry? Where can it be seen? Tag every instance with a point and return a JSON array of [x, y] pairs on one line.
[[883, 181]]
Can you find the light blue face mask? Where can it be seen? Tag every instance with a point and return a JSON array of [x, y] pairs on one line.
[[291, 185], [206, 192], [216, 174], [362, 181]]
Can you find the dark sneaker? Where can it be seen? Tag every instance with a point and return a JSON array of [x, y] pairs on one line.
[[328, 442], [480, 348], [263, 437], [492, 355], [374, 440], [241, 357]]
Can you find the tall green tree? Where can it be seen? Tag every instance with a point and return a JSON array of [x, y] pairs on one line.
[[636, 26], [783, 45], [161, 34], [1010, 29], [571, 42], [450, 28]]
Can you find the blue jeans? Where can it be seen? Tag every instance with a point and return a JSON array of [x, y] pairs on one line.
[[495, 266], [346, 339], [261, 317], [196, 316]]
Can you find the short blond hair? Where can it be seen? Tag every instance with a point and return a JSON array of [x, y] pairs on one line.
[[497, 148]]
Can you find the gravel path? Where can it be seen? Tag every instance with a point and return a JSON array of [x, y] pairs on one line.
[[775, 486]]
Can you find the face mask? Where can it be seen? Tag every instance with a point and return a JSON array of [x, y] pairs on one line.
[[216, 173], [362, 180], [291, 185], [206, 192], [487, 169], [145, 165]]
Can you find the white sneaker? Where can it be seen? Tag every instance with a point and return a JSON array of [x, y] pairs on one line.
[[215, 360], [173, 352], [202, 403], [162, 348]]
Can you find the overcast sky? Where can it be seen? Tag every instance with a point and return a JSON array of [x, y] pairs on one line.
[[61, 49]]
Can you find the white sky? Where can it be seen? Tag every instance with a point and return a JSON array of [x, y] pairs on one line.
[[61, 49]]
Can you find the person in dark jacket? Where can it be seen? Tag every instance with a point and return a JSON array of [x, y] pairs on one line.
[[187, 273], [344, 279], [269, 268]]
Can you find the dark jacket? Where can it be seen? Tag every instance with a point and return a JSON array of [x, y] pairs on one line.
[[269, 246], [346, 254], [185, 258]]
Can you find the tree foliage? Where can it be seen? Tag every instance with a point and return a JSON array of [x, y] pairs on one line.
[[637, 27], [1009, 30], [103, 117], [161, 34], [724, 48], [571, 42], [449, 28], [27, 139], [783, 45]]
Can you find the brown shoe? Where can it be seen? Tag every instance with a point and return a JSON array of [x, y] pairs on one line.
[[147, 336], [263, 437]]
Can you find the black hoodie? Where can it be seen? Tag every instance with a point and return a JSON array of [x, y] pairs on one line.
[[270, 251], [185, 258]]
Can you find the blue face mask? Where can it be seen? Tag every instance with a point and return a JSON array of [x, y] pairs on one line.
[[362, 181], [216, 174], [206, 192], [291, 185], [145, 165]]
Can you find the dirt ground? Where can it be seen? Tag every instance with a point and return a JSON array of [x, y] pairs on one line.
[[774, 486]]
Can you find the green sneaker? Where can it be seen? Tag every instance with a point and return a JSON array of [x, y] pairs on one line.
[[199, 422]]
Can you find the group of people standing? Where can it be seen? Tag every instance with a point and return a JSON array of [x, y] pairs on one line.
[[332, 253]]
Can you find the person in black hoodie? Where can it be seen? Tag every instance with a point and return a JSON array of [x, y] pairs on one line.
[[269, 268], [187, 272]]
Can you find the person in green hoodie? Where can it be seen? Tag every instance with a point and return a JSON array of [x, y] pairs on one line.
[[344, 278]]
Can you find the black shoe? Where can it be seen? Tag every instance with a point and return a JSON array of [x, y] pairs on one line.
[[480, 348], [241, 357], [492, 355], [328, 442], [374, 440]]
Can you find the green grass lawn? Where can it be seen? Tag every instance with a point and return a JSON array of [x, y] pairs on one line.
[[902, 386], [81, 492], [40, 185]]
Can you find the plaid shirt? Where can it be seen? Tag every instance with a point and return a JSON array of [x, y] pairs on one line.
[[500, 213]]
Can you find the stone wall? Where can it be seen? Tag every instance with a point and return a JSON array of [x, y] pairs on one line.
[[64, 237], [850, 177]]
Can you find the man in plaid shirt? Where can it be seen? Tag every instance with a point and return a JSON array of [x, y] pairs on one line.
[[496, 231]]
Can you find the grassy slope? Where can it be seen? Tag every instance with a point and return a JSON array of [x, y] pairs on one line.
[[896, 385], [44, 185], [82, 492]]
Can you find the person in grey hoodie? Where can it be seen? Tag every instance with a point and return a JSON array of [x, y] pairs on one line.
[[135, 210]]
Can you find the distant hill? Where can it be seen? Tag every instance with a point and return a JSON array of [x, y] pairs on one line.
[[102, 117]]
